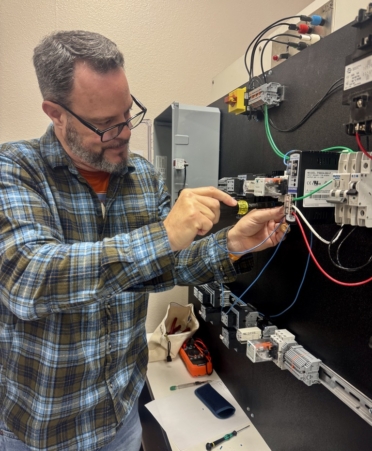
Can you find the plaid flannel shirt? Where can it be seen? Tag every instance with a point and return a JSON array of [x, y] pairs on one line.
[[74, 291]]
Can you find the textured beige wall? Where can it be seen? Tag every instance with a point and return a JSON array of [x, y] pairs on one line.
[[172, 48]]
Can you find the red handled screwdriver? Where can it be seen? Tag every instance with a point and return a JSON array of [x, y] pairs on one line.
[[209, 446]]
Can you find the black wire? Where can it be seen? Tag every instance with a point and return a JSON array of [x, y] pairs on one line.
[[338, 264], [255, 48], [334, 88], [184, 180], [264, 47], [274, 24]]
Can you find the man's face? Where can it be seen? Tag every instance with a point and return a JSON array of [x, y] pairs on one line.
[[103, 100]]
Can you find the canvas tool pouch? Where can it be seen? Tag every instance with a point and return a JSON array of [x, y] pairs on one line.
[[177, 326]]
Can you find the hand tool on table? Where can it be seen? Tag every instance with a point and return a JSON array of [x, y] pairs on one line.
[[209, 446]]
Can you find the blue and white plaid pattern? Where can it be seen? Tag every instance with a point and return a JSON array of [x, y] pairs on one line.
[[73, 292]]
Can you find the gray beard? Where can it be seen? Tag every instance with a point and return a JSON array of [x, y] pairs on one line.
[[95, 160]]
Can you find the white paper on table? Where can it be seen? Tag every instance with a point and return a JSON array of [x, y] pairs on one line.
[[188, 422]]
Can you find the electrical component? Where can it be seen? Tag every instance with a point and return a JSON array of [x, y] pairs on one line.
[[229, 339], [179, 163], [351, 190], [210, 314], [248, 333], [270, 94], [310, 38], [259, 350], [297, 45], [239, 316], [267, 186], [302, 28], [314, 19], [357, 84], [235, 101], [302, 365], [281, 56], [307, 171], [281, 341]]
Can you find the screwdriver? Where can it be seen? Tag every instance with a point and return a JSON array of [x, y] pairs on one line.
[[224, 438]]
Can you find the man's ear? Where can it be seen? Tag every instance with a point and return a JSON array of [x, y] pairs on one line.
[[55, 112]]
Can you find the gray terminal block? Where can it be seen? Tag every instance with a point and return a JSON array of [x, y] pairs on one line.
[[303, 365]]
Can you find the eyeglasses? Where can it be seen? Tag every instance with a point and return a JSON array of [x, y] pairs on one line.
[[112, 132]]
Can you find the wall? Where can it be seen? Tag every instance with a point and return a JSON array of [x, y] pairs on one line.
[[172, 48]]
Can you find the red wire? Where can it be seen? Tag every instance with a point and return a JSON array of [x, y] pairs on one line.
[[360, 145], [345, 284]]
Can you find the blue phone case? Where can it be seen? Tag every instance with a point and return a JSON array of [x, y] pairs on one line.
[[216, 403]]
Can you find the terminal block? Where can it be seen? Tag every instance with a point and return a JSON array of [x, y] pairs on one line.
[[259, 350], [281, 341], [351, 190], [270, 94], [302, 365]]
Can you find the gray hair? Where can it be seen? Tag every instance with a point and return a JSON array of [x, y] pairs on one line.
[[56, 55]]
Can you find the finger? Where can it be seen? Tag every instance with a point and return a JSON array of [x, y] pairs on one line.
[[267, 214], [211, 191]]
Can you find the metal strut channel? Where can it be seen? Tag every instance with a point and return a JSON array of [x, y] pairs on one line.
[[348, 394]]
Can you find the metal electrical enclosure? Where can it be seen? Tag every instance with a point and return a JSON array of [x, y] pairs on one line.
[[186, 146]]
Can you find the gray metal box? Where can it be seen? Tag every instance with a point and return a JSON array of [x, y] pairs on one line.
[[191, 134]]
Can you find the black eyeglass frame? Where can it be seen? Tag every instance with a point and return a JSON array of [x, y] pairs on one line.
[[120, 126]]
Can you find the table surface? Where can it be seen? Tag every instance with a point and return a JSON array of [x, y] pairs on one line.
[[161, 375]]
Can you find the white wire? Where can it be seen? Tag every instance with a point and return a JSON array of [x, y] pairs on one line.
[[299, 212]]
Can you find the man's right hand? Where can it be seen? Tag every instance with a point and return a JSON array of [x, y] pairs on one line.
[[194, 213]]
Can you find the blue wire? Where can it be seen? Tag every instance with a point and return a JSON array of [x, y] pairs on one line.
[[259, 275], [285, 156], [254, 247], [302, 281]]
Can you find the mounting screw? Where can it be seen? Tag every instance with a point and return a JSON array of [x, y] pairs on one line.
[[370, 410], [252, 415]]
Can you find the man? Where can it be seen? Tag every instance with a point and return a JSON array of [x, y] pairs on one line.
[[87, 232]]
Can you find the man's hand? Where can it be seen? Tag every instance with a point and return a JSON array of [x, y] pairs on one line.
[[254, 228], [194, 213]]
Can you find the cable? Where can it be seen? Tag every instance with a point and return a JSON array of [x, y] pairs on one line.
[[266, 44], [333, 240], [268, 134], [301, 283], [254, 247], [338, 264], [239, 299], [317, 105], [273, 25], [360, 145], [313, 192], [345, 284]]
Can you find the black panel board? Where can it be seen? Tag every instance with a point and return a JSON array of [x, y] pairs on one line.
[[331, 321]]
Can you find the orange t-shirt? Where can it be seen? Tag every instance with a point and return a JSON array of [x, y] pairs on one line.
[[98, 180]]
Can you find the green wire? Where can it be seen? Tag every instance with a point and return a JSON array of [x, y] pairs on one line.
[[280, 154], [342, 148], [268, 134], [313, 192]]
